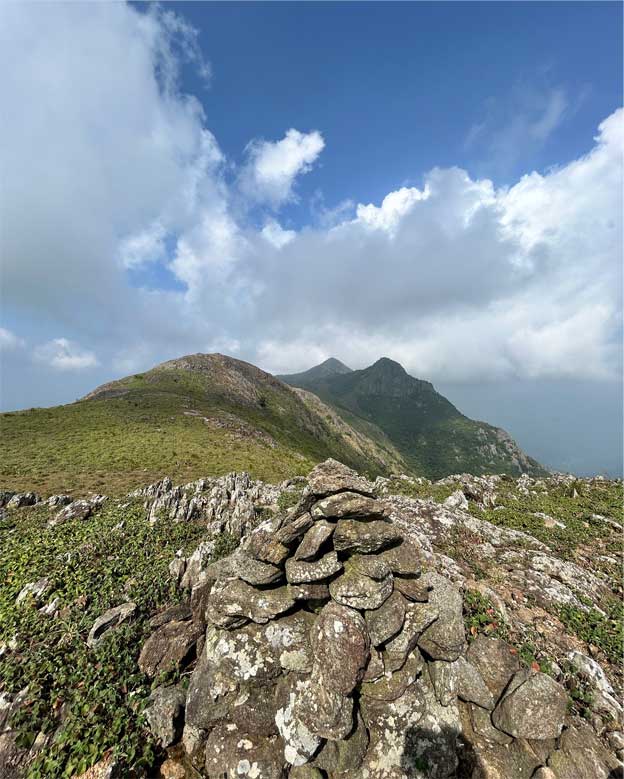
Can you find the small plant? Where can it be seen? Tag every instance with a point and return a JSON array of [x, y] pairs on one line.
[[480, 616], [225, 544], [289, 498]]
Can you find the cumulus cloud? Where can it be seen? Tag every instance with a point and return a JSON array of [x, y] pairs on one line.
[[65, 355], [9, 341], [273, 166], [115, 170]]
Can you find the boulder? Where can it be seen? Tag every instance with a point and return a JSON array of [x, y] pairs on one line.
[[331, 476], [352, 535], [404, 559], [347, 505], [301, 571], [581, 755], [359, 591], [165, 714], [444, 639], [532, 707], [314, 538], [324, 712], [495, 660], [108, 620], [169, 647], [471, 686], [340, 646], [232, 753], [234, 602], [384, 622]]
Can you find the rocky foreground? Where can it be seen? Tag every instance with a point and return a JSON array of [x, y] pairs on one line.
[[370, 630]]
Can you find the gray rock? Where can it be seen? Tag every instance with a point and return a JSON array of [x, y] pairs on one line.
[[444, 679], [413, 589], [404, 559], [370, 565], [300, 744], [108, 620], [445, 639], [248, 569], [341, 757], [348, 505], [314, 591], [533, 707], [481, 720], [375, 667], [352, 535], [358, 591], [169, 647], [322, 710], [165, 714], [314, 538], [21, 499], [263, 545], [300, 571], [233, 753], [234, 602], [385, 622], [604, 700], [179, 612], [391, 686], [495, 660], [331, 476], [35, 590], [418, 616], [292, 530], [470, 685], [340, 645]]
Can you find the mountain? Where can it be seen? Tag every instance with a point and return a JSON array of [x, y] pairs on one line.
[[199, 415], [331, 367], [431, 435]]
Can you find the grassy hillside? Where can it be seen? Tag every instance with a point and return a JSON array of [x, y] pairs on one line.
[[197, 416]]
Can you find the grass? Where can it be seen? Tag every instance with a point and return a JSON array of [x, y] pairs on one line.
[[606, 631], [92, 700]]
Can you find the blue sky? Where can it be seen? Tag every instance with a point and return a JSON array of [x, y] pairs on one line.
[[440, 183]]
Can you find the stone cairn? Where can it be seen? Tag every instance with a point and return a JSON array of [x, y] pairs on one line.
[[324, 650]]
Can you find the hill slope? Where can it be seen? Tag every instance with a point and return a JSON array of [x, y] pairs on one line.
[[331, 367], [432, 436], [204, 414]]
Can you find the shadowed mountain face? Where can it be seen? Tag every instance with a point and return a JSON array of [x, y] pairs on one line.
[[432, 436], [331, 367]]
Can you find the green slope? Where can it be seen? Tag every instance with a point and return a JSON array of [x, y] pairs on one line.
[[431, 435], [197, 416]]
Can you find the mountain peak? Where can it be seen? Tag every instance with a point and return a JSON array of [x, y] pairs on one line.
[[332, 365], [388, 367]]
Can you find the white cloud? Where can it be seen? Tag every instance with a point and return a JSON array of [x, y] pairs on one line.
[[273, 166], [276, 235], [65, 355], [9, 341]]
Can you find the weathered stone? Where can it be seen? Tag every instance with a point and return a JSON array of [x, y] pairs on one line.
[[352, 535], [348, 505], [391, 686], [34, 590], [358, 591], [444, 679], [603, 697], [165, 714], [340, 758], [581, 755], [254, 709], [263, 545], [233, 602], [445, 639], [331, 476], [457, 500], [340, 645], [325, 712], [404, 559], [179, 612], [200, 596], [418, 616], [495, 660], [471, 686], [78, 509], [314, 538], [289, 637], [108, 620], [209, 698], [168, 647], [194, 743], [316, 591], [413, 589], [533, 707], [239, 566], [375, 666], [384, 622], [370, 565], [300, 571], [506, 761], [20, 499], [304, 772], [481, 721], [300, 744], [232, 753], [177, 567], [293, 529]]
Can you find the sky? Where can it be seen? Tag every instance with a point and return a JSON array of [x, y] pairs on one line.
[[439, 183]]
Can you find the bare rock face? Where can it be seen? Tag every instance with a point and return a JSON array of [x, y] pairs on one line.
[[168, 647], [495, 661], [533, 706]]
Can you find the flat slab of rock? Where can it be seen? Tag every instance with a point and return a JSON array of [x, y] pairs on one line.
[[384, 622], [358, 591], [240, 566], [418, 616], [168, 647], [533, 707], [309, 591], [231, 749], [352, 535], [312, 541], [340, 645], [404, 559], [370, 565], [300, 744], [413, 589], [302, 571], [443, 677], [234, 602], [263, 545], [331, 476], [471, 686], [581, 755], [495, 660], [293, 529], [108, 620], [325, 712], [445, 639], [348, 505], [391, 686]]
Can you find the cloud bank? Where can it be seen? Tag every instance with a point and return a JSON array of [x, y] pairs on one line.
[[130, 238]]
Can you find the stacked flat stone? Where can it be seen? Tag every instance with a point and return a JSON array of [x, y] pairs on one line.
[[329, 652]]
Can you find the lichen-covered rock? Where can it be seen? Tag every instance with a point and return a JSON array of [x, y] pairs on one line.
[[418, 616], [445, 639], [471, 686], [413, 589], [165, 712], [234, 602], [343, 756], [239, 566], [581, 755], [495, 660], [348, 505], [302, 571], [20, 499], [331, 476], [341, 646], [405, 559], [300, 744], [443, 676], [391, 686], [325, 712], [35, 590], [352, 535], [481, 723], [312, 541], [168, 647], [533, 706], [109, 620], [263, 545], [314, 591], [233, 753], [358, 591], [384, 622], [292, 530]]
